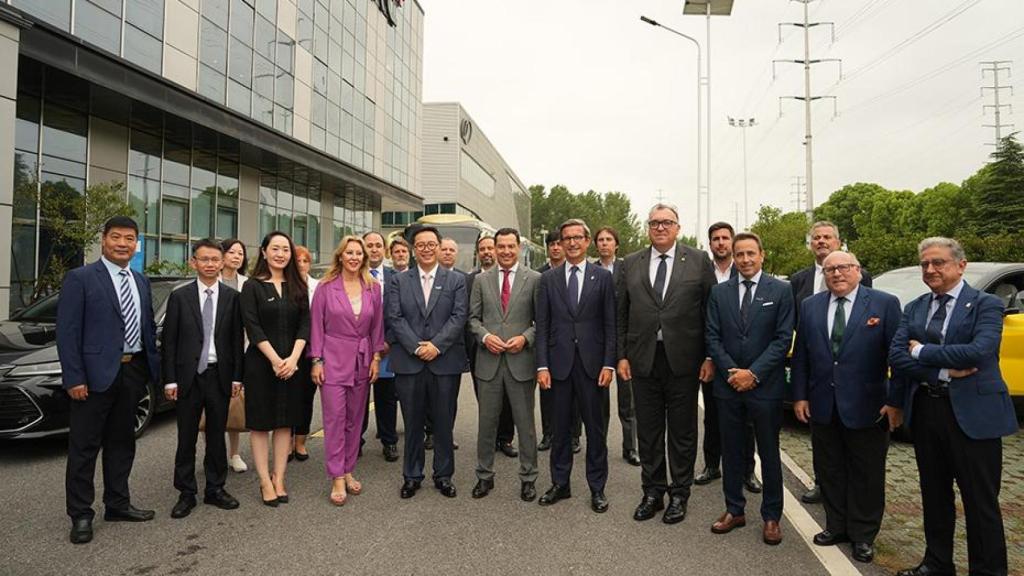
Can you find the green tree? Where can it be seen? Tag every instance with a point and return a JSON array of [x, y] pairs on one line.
[[549, 208], [784, 236], [845, 204], [999, 201]]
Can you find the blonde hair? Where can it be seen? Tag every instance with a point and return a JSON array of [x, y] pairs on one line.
[[337, 264]]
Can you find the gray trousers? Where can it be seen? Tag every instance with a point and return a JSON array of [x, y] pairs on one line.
[[490, 397], [627, 414]]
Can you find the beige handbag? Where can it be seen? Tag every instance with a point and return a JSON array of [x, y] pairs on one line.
[[236, 414]]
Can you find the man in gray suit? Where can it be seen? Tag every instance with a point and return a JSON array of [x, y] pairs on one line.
[[501, 319]]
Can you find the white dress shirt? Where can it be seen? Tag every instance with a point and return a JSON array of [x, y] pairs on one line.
[[833, 303], [819, 279], [655, 261], [722, 276], [933, 307], [753, 289], [579, 276], [609, 266]]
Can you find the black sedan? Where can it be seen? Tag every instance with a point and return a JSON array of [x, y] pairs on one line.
[[33, 403]]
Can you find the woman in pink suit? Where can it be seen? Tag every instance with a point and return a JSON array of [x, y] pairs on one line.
[[346, 339]]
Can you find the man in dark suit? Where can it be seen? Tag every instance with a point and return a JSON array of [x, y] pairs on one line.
[[426, 315], [662, 303], [106, 342], [202, 362], [720, 242], [957, 409], [749, 332], [385, 400], [575, 342], [556, 257], [607, 240], [822, 240], [842, 387]]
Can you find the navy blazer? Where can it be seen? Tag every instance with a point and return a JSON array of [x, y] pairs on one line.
[[981, 402], [856, 383], [90, 329], [409, 321], [590, 330], [762, 348]]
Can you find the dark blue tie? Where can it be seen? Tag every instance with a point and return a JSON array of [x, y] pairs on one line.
[[574, 288], [748, 297], [659, 277], [933, 333]]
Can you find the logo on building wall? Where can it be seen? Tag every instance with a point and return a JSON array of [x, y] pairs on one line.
[[390, 9], [466, 131]]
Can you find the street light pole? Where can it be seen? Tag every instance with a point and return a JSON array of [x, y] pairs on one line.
[[699, 103], [743, 124]]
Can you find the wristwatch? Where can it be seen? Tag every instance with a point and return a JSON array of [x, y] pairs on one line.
[[318, 361]]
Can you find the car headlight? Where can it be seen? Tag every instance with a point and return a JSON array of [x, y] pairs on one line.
[[28, 370]]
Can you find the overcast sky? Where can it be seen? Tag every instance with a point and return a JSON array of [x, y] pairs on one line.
[[581, 93]]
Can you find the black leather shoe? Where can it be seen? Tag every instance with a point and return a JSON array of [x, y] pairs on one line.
[[921, 570], [827, 538], [221, 499], [598, 503], [576, 446], [446, 488], [863, 552], [631, 457], [708, 476], [676, 510], [508, 449], [812, 496], [129, 514], [390, 452], [554, 494], [528, 492], [184, 506], [753, 485], [482, 488], [428, 442], [648, 506], [409, 488], [455, 445], [544, 444], [81, 531]]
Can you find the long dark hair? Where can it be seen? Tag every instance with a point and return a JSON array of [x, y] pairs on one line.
[[295, 287], [229, 244]]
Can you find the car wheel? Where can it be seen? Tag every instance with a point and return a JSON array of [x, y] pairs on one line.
[[144, 410]]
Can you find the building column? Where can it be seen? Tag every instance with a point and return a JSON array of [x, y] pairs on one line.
[[249, 210], [9, 40]]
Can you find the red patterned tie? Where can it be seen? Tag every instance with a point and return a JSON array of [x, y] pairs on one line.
[[506, 291]]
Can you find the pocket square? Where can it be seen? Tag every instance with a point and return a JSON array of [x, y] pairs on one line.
[[874, 321], [437, 287], [766, 304]]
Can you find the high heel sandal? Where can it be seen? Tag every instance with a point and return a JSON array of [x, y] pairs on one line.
[[272, 503], [338, 498], [353, 486]]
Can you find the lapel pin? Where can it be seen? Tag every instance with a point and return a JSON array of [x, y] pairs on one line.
[[968, 305]]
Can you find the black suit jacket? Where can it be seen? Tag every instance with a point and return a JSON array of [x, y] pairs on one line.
[[183, 337], [802, 282]]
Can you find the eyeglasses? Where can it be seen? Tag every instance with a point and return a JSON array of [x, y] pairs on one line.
[[573, 238], [208, 260], [661, 224], [936, 263], [841, 268], [426, 245]]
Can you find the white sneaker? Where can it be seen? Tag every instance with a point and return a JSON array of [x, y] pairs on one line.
[[237, 464]]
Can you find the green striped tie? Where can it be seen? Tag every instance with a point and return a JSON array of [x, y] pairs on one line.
[[838, 326]]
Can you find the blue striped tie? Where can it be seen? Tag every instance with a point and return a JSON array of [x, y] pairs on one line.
[[129, 314]]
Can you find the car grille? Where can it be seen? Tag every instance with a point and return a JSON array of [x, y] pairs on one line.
[[17, 410]]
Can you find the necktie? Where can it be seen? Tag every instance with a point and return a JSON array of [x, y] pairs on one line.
[[375, 274], [574, 288], [506, 291], [933, 332], [748, 297], [838, 326], [207, 331], [128, 313], [659, 277], [428, 283]]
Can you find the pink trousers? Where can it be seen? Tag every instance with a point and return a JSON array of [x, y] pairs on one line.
[[343, 424]]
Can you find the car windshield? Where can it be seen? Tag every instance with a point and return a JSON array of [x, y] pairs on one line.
[[45, 310], [906, 284]]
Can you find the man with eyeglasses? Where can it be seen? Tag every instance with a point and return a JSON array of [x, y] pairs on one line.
[[957, 409], [575, 346], [662, 301], [842, 388], [426, 316], [822, 240]]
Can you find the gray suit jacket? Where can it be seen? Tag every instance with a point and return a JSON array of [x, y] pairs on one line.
[[486, 317]]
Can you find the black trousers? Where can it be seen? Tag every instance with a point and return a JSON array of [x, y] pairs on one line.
[[944, 455], [421, 394], [627, 415], [104, 420], [506, 428], [851, 473], [665, 401], [205, 394], [766, 416], [385, 411], [547, 416], [308, 393], [581, 392], [712, 435]]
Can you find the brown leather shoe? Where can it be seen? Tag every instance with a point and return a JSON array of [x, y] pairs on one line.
[[727, 523], [772, 533]]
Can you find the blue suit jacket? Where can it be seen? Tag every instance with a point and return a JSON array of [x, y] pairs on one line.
[[409, 321], [856, 383], [90, 330], [385, 363], [762, 347], [980, 401], [590, 330]]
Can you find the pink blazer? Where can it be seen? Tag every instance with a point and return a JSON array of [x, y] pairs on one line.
[[346, 345]]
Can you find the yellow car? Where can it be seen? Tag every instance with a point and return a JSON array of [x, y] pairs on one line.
[[1006, 281]]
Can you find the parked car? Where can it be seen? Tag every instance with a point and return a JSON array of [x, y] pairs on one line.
[[33, 403]]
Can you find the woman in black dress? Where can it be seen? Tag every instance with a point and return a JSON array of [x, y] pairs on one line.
[[275, 309]]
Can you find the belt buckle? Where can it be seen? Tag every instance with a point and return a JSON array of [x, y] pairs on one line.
[[938, 391], [126, 358]]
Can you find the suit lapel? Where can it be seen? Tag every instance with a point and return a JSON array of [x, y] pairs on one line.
[[823, 307], [590, 271], [417, 290], [856, 320], [732, 302], [677, 272], [517, 289], [440, 281], [761, 290], [194, 305], [108, 287], [221, 305], [960, 308], [563, 289], [645, 276]]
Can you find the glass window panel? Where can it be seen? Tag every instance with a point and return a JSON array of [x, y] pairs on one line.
[[239, 97], [211, 83], [175, 191], [313, 236], [284, 222], [227, 222], [144, 156], [285, 51], [263, 109], [347, 66], [304, 31], [142, 49], [147, 15], [240, 63], [177, 158], [112, 6], [299, 230], [333, 118], [172, 251], [64, 132], [174, 219], [265, 38], [26, 127], [283, 119], [216, 11], [320, 77], [93, 24], [334, 57], [321, 45], [144, 198], [284, 94], [318, 110], [267, 8], [241, 21], [306, 6], [213, 46], [268, 195], [56, 12], [284, 196], [23, 264], [321, 15], [202, 212], [268, 219], [263, 77]]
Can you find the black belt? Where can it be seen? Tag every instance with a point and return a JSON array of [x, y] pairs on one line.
[[940, 390], [127, 358]]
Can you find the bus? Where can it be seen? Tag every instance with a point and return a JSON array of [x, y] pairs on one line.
[[466, 230]]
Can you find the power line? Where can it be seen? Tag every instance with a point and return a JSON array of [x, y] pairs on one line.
[[995, 67], [866, 12]]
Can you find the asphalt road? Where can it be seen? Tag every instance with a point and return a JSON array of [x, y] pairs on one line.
[[377, 532]]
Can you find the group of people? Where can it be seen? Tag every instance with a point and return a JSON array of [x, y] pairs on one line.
[[660, 324]]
